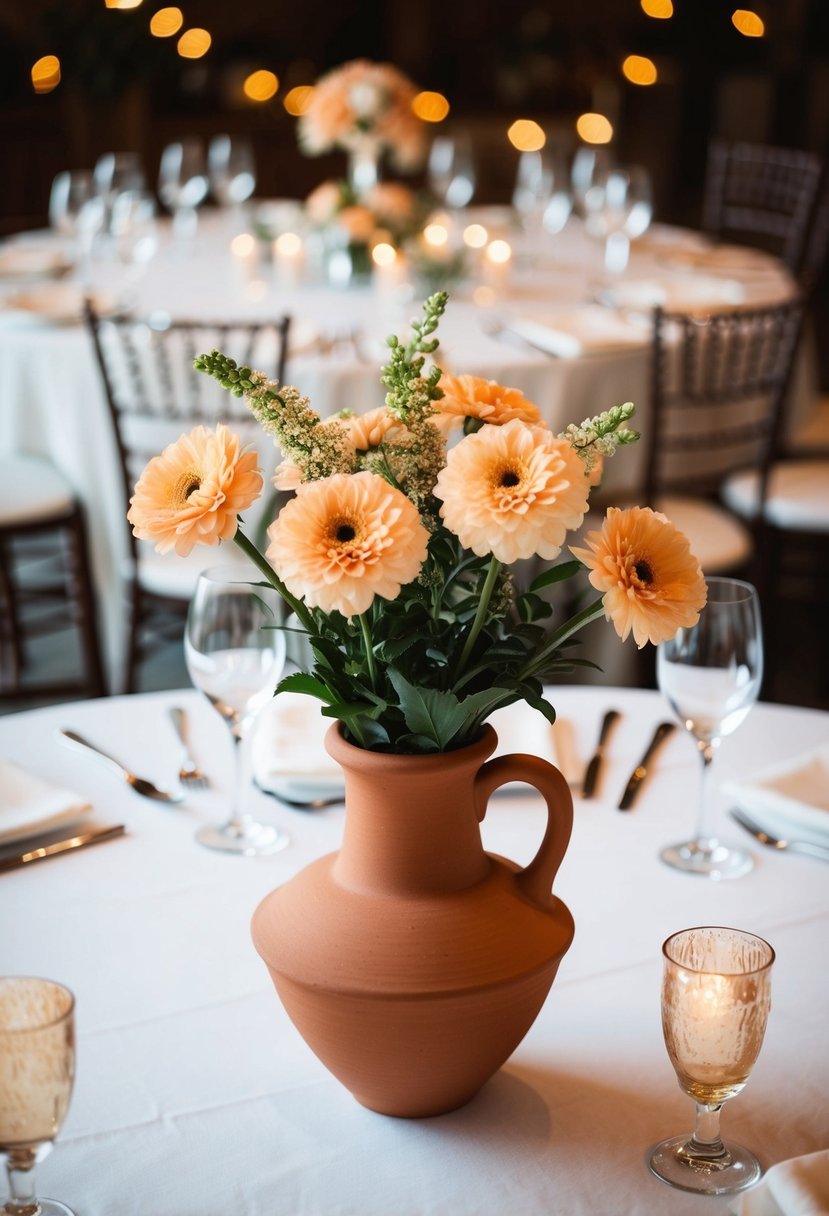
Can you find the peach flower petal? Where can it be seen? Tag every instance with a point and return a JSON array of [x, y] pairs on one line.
[[193, 492], [346, 539], [474, 397], [652, 583], [513, 491]]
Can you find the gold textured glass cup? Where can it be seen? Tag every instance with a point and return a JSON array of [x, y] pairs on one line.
[[37, 1070], [716, 996]]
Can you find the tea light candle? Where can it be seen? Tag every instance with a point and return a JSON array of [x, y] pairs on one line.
[[245, 256], [497, 264], [289, 259], [388, 268]]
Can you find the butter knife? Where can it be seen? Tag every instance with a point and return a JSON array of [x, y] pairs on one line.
[[641, 771], [592, 771], [62, 846]]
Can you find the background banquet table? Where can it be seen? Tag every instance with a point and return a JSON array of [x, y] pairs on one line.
[[196, 1096], [52, 402]]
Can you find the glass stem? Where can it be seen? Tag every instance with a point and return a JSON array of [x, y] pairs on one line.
[[20, 1167], [239, 818], [705, 1143], [705, 838]]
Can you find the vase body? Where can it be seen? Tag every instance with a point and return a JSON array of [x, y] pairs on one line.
[[363, 166], [412, 962]]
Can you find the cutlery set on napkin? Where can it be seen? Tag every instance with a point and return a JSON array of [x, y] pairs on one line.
[[639, 773]]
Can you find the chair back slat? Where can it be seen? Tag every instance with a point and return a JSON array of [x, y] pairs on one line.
[[718, 388]]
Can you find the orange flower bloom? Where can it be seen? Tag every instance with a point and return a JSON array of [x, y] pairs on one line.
[[368, 431], [192, 493], [652, 583], [512, 491], [473, 397], [345, 539]]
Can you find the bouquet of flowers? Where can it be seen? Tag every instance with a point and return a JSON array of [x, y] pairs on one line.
[[395, 555], [388, 211], [360, 106]]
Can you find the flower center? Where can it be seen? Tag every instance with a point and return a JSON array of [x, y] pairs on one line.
[[343, 531], [510, 478], [643, 572], [186, 484]]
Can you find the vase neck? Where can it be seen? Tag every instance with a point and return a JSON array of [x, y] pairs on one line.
[[411, 821]]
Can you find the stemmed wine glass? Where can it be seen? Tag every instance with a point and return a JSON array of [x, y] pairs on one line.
[[716, 996], [618, 208], [37, 1070], [711, 675], [232, 170], [451, 170], [235, 653], [182, 185], [134, 229], [542, 197], [78, 210]]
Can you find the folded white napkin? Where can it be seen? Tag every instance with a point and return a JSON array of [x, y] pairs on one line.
[[30, 806], [789, 799], [677, 293], [289, 757], [579, 331], [799, 1187]]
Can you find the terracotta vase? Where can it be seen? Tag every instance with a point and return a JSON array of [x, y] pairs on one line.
[[412, 962]]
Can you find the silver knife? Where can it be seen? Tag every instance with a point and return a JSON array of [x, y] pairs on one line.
[[592, 771], [641, 771], [62, 846]]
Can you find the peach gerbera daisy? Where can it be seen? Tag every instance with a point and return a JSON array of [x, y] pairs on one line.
[[652, 583], [345, 539], [513, 491], [474, 397], [193, 492]]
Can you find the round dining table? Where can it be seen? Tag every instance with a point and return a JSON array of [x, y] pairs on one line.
[[549, 322], [195, 1095]]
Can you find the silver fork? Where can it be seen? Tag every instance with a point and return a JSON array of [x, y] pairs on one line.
[[189, 773]]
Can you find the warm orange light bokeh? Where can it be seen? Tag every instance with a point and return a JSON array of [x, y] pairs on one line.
[[748, 23], [166, 22], [123, 3], [297, 100], [638, 69], [261, 85], [46, 74], [658, 8], [194, 43], [526, 135], [430, 107], [594, 128]]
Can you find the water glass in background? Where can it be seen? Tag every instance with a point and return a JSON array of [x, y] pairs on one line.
[[451, 170], [134, 229], [182, 187], [618, 208], [232, 172], [78, 210], [118, 171], [589, 163]]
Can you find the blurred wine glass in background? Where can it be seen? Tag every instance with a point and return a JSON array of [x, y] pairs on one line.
[[232, 171], [134, 229], [618, 208], [590, 162], [182, 186], [451, 170], [77, 210]]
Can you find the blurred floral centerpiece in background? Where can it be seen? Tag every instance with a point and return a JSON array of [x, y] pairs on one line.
[[396, 555], [366, 109], [388, 213]]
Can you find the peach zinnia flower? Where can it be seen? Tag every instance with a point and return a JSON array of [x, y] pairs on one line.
[[345, 539], [512, 491], [652, 583], [474, 397], [192, 493]]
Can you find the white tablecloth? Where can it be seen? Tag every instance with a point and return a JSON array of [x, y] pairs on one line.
[[195, 1095], [52, 403]]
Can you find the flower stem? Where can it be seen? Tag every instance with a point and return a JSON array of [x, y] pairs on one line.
[[591, 613], [369, 647], [250, 550], [480, 616]]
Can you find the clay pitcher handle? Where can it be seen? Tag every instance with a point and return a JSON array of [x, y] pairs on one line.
[[536, 880]]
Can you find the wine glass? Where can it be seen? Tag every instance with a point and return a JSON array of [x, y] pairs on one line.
[[618, 207], [37, 1069], [716, 996], [589, 163], [235, 653], [542, 197], [182, 185], [711, 675], [117, 171], [232, 170], [451, 170], [134, 229], [78, 210]]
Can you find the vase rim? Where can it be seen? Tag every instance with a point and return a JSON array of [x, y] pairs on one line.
[[347, 753]]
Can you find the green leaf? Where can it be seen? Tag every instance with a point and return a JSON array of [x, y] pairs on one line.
[[301, 681], [436, 715], [555, 574]]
